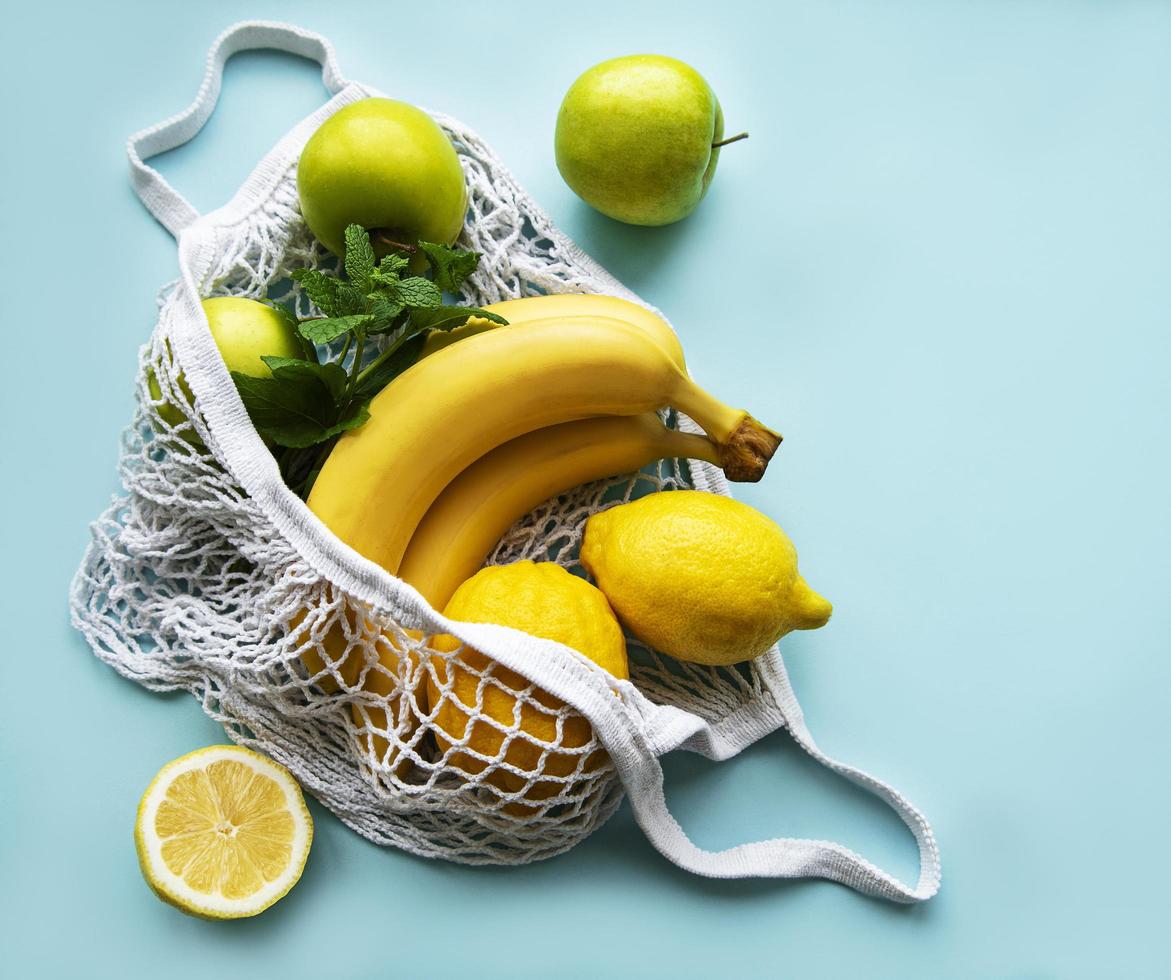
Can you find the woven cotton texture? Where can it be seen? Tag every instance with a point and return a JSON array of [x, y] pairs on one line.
[[209, 576], [189, 585]]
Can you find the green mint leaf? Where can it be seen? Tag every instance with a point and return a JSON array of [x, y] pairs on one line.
[[320, 288], [359, 256], [382, 280], [449, 266], [388, 370], [383, 308], [351, 300], [392, 264], [415, 292], [354, 417], [290, 413], [448, 317], [328, 329], [389, 327], [331, 375], [276, 365], [388, 316], [356, 413]]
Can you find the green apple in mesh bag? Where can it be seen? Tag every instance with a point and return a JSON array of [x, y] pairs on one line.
[[638, 138], [386, 166], [244, 330]]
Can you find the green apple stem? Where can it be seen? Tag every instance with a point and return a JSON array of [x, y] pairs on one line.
[[730, 139], [383, 237]]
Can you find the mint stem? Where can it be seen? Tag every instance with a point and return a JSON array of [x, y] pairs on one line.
[[359, 349], [407, 334]]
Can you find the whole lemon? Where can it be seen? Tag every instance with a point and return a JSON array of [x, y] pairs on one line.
[[700, 577], [546, 601]]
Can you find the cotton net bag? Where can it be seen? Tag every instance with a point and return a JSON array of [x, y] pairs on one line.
[[209, 575]]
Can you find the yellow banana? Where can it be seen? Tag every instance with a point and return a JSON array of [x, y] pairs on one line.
[[563, 305], [486, 499], [515, 311], [454, 406]]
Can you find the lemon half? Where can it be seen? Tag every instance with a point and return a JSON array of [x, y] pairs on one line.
[[222, 832]]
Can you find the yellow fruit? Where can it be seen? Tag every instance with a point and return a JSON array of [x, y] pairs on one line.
[[547, 601], [222, 832], [244, 330], [564, 305], [460, 529], [343, 656], [400, 718], [452, 407], [700, 577], [385, 524], [342, 646]]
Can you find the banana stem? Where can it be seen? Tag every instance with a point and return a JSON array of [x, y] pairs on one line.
[[690, 445], [744, 445]]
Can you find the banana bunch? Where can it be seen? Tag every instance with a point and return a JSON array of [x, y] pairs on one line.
[[481, 431], [475, 510], [441, 435]]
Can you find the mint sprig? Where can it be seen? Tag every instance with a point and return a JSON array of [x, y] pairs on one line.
[[359, 259], [450, 266], [307, 404]]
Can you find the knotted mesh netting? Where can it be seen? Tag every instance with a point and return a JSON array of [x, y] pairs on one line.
[[188, 584]]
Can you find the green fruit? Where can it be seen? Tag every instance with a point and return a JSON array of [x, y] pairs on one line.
[[637, 138], [386, 166], [243, 330]]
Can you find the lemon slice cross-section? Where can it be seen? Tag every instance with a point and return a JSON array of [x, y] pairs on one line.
[[223, 832]]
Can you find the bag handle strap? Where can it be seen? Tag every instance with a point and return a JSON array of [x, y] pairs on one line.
[[173, 211], [787, 857], [635, 756]]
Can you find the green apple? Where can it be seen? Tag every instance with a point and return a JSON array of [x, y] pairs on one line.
[[638, 138], [244, 330], [386, 166]]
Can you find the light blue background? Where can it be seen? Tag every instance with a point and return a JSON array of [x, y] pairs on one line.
[[941, 264]]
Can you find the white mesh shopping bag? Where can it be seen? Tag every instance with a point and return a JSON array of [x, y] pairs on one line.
[[211, 576]]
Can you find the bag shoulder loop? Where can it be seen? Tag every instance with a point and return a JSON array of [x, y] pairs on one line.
[[171, 209], [789, 857]]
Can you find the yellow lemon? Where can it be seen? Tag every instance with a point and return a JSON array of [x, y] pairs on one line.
[[546, 601], [222, 832], [700, 577]]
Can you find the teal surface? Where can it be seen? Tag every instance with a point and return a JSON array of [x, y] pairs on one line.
[[941, 264]]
